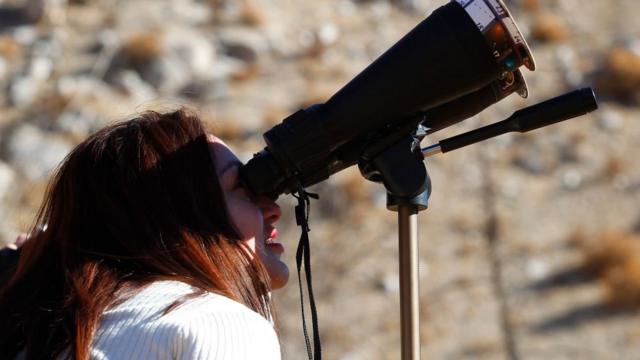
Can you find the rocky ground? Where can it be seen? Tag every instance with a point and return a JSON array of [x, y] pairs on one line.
[[530, 247]]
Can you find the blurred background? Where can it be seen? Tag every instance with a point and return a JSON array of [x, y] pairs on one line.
[[531, 246]]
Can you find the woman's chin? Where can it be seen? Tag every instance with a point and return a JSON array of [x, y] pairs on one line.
[[279, 274]]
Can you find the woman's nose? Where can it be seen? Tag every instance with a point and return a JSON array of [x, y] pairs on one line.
[[270, 210]]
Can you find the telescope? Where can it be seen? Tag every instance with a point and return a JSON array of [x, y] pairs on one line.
[[464, 57]]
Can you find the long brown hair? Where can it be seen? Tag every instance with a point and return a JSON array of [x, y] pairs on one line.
[[136, 202]]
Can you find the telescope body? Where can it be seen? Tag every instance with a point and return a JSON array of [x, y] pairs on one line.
[[447, 56]]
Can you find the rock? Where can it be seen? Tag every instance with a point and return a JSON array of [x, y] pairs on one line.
[[226, 68], [168, 60], [408, 6], [70, 86], [390, 283], [328, 33], [243, 43], [633, 45], [510, 188], [621, 182], [196, 51], [241, 52], [40, 68], [25, 35], [48, 47], [3, 68], [7, 178], [205, 91], [78, 123], [536, 269], [569, 65], [29, 13], [34, 152], [55, 10], [191, 12], [609, 119], [246, 12], [149, 13], [571, 180], [532, 160], [108, 39], [284, 43], [381, 10], [166, 74], [23, 90], [130, 83]]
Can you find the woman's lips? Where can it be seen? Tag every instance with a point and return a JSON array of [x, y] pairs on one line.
[[271, 244], [276, 247]]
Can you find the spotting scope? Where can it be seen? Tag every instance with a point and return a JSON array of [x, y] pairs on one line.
[[465, 56]]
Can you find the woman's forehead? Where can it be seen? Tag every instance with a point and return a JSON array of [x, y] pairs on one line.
[[224, 156]]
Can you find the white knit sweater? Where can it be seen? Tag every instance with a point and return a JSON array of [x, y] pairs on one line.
[[206, 327]]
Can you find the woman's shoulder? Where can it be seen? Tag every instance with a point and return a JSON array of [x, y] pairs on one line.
[[170, 300], [200, 326], [202, 305]]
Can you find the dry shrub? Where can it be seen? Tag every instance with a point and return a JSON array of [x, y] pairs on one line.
[[620, 75], [317, 94], [10, 48], [577, 240], [251, 14], [483, 347], [467, 250], [110, 19], [274, 115], [608, 250], [614, 258], [32, 195], [531, 5], [548, 27], [316, 49], [217, 7], [613, 167], [355, 189], [53, 104], [228, 130], [142, 48], [249, 72], [463, 223], [622, 284]]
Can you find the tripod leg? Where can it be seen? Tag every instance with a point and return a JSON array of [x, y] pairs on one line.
[[409, 284]]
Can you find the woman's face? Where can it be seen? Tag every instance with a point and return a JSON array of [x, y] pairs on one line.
[[253, 216]]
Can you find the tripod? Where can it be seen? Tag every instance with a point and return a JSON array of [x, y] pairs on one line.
[[401, 169]]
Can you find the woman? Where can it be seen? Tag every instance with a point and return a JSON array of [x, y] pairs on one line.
[[147, 245]]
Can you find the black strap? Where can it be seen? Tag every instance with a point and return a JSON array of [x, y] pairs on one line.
[[302, 218]]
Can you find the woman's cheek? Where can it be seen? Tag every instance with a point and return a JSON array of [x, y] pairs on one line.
[[246, 217]]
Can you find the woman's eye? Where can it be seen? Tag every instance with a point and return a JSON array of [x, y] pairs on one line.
[[241, 189], [244, 192]]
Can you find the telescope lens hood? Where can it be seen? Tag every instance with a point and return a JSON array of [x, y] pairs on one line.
[[501, 33]]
